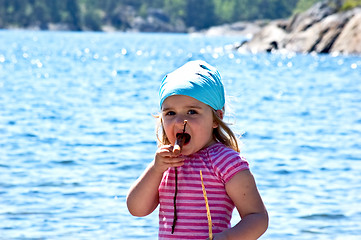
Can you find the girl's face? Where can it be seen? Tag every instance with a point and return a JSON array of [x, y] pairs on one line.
[[176, 109]]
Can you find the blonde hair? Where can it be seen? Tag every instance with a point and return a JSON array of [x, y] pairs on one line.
[[222, 133]]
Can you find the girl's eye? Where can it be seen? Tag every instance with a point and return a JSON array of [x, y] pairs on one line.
[[191, 112], [170, 113]]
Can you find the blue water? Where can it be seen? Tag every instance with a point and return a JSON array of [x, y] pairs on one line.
[[76, 129]]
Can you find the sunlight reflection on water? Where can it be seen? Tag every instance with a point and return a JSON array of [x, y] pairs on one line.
[[77, 129]]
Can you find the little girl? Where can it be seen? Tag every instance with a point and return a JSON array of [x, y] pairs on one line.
[[195, 93]]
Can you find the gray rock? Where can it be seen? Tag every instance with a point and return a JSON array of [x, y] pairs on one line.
[[321, 29], [156, 21], [319, 37], [268, 39], [349, 41], [302, 21], [247, 29]]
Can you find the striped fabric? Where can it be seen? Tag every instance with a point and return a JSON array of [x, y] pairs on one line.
[[218, 164]]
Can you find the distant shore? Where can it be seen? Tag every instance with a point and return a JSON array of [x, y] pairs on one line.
[[321, 29]]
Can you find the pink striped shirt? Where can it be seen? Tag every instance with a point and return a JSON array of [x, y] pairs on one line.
[[218, 164]]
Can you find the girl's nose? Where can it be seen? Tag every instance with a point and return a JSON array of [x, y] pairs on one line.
[[180, 121]]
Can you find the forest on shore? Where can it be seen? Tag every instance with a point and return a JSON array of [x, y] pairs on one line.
[[124, 15], [120, 14]]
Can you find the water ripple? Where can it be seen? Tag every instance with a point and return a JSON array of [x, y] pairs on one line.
[[76, 130]]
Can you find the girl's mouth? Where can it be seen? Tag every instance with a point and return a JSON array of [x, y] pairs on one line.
[[186, 136]]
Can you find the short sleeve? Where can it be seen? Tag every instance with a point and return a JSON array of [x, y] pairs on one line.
[[227, 162]]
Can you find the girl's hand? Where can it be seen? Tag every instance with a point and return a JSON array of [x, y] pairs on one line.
[[143, 196], [165, 158]]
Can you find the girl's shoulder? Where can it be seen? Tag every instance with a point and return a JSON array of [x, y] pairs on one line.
[[225, 161], [221, 151]]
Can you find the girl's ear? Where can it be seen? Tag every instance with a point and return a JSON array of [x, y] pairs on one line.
[[219, 113]]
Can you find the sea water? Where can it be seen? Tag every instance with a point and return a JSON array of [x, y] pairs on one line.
[[77, 128]]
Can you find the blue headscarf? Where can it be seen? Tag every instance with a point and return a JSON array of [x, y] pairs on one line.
[[196, 79]]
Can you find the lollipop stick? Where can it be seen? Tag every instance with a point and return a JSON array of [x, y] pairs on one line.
[[180, 140]]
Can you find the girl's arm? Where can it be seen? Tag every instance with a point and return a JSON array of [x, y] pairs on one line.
[[143, 196], [243, 191]]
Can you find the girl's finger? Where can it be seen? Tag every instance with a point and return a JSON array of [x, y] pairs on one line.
[[176, 164], [172, 160]]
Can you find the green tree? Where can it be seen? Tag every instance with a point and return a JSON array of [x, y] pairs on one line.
[[273, 9], [92, 14], [245, 10], [224, 10], [199, 13], [175, 9], [53, 8], [40, 14], [303, 5], [349, 4], [73, 16]]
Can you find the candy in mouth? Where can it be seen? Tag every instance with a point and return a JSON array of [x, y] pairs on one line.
[[183, 138]]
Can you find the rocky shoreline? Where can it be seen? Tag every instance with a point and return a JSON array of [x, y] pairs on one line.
[[321, 29], [245, 29]]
